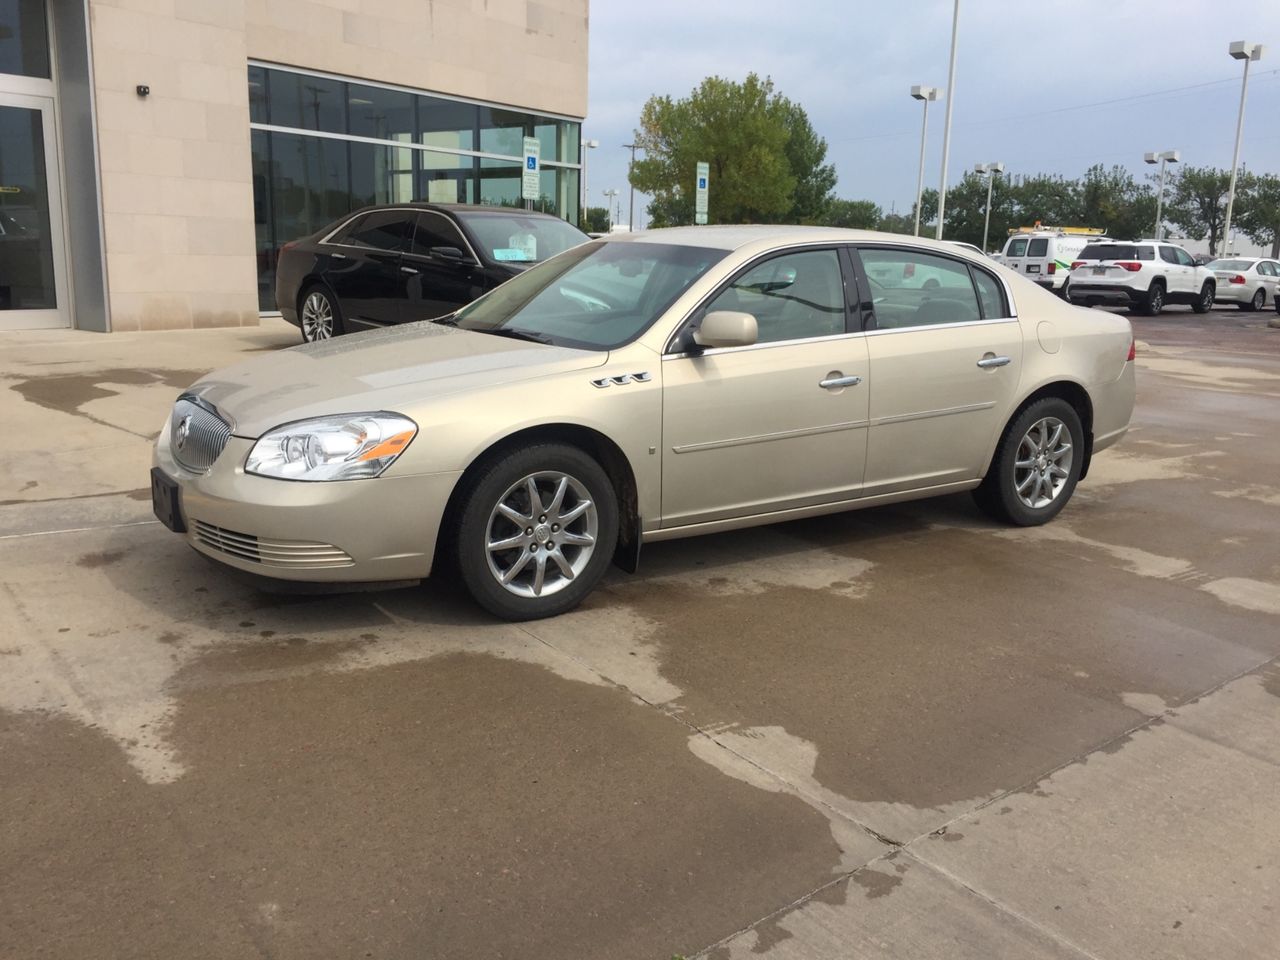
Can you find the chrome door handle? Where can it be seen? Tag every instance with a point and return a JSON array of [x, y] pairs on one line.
[[408, 270], [986, 363], [834, 382], [338, 256]]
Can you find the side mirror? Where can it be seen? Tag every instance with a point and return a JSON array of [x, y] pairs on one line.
[[452, 254], [726, 328]]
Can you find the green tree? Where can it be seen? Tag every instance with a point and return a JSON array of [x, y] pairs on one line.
[[766, 161], [1259, 211], [1112, 199], [854, 214], [902, 223], [1053, 200], [596, 220], [1197, 202]]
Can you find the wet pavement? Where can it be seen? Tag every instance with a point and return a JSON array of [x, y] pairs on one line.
[[902, 732]]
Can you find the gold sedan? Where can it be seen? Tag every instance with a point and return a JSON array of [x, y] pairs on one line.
[[641, 388]]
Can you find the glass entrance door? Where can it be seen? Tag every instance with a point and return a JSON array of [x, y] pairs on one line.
[[33, 289]]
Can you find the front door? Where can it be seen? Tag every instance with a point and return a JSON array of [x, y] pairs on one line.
[[776, 425], [436, 284], [33, 275]]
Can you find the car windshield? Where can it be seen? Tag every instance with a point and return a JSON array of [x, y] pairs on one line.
[[597, 296], [1240, 265], [519, 239]]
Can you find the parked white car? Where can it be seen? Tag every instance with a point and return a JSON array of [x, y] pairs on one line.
[[1143, 275], [1248, 282]]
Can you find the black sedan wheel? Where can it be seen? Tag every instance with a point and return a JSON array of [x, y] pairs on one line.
[[319, 316]]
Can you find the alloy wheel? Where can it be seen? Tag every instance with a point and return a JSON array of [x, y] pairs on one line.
[[1043, 462], [1259, 299], [317, 317], [541, 534]]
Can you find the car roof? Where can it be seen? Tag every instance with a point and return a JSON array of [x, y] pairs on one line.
[[468, 208], [737, 236]]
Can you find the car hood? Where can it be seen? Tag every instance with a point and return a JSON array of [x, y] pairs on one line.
[[391, 369]]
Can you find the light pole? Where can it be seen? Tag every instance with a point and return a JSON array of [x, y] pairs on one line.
[[582, 199], [990, 169], [1169, 156], [946, 129], [926, 94], [611, 194], [1240, 50], [631, 209]]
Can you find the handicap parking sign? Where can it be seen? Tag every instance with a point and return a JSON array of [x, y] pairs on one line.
[[702, 183], [530, 187], [531, 163]]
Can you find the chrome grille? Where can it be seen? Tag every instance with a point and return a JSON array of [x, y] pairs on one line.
[[197, 435], [271, 553]]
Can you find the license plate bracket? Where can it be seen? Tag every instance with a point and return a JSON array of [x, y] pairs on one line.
[[1033, 268], [166, 501]]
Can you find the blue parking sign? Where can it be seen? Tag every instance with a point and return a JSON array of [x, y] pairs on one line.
[[531, 163], [702, 183]]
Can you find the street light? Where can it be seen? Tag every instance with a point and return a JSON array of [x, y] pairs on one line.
[[1248, 52], [1171, 156], [946, 129], [611, 194], [926, 94], [582, 199], [990, 169], [631, 210]]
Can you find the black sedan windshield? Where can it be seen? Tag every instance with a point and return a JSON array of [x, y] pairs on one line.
[[598, 296], [513, 238]]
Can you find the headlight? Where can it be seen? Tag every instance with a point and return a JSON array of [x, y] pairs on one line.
[[348, 447]]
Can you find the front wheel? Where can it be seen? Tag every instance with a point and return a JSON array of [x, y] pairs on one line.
[[537, 532], [1036, 466], [1205, 301]]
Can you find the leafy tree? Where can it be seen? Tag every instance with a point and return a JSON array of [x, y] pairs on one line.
[[1259, 211], [1049, 199], [897, 223], [1114, 200], [766, 160], [1197, 202], [855, 214], [596, 220]]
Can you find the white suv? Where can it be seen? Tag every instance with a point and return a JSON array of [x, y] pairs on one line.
[[1143, 275]]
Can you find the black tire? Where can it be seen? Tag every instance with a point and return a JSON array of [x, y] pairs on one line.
[[503, 476], [1064, 291], [322, 294], [1153, 302], [998, 495], [1259, 300], [1204, 302]]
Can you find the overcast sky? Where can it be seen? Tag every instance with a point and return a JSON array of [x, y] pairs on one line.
[[1021, 66]]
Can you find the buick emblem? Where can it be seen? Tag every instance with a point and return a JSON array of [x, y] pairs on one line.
[[184, 430]]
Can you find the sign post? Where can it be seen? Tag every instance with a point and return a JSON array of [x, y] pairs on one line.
[[700, 194], [531, 179]]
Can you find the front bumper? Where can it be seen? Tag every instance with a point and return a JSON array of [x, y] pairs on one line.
[[346, 531], [1090, 294]]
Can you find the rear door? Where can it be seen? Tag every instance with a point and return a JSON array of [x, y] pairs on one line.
[[944, 369], [1037, 257], [1015, 253], [364, 267]]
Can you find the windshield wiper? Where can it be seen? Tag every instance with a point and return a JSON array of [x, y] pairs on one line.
[[515, 334]]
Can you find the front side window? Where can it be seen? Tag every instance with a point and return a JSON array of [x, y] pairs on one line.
[[433, 231], [597, 296], [1017, 247], [793, 297], [1184, 258], [1039, 247], [911, 288]]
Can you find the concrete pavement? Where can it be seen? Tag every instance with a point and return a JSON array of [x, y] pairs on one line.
[[904, 732]]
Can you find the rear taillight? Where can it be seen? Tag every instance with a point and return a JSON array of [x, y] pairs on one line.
[[1133, 350], [1077, 263], [1236, 279], [1129, 265], [908, 270], [1053, 268]]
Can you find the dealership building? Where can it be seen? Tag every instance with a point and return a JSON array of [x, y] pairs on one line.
[[156, 154]]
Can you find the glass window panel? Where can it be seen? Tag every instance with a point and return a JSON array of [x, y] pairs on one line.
[[380, 174], [380, 230], [446, 124], [990, 294], [792, 297], [445, 177], [502, 131], [24, 38], [547, 132], [309, 103], [264, 242], [381, 114], [570, 141], [310, 187], [258, 112], [912, 288], [26, 245], [500, 182], [1039, 247], [434, 230], [1017, 247]]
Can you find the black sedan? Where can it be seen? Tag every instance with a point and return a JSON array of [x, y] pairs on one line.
[[412, 261]]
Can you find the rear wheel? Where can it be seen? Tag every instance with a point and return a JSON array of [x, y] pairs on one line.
[[1153, 302], [1036, 465], [1259, 300], [319, 315], [1204, 302], [537, 532]]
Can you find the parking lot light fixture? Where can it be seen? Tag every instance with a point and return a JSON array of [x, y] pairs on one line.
[[582, 198], [925, 94], [990, 169], [1168, 156], [946, 127], [1248, 52]]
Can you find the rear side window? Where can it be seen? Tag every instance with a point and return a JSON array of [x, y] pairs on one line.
[[1017, 247], [1267, 269], [990, 295], [1168, 255], [380, 230], [911, 288], [1039, 247]]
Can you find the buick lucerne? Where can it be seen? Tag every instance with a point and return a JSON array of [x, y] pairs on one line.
[[640, 388]]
